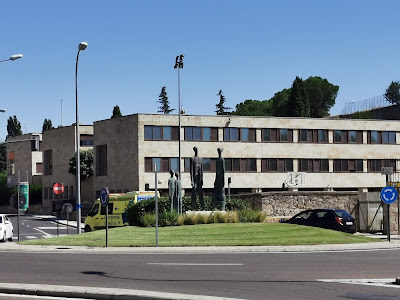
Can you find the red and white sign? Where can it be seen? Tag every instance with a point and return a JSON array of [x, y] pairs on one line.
[[58, 188]]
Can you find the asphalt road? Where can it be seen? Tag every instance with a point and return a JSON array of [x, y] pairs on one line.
[[32, 227], [245, 275]]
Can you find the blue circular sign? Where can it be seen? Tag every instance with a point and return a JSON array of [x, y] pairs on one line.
[[104, 196], [388, 194]]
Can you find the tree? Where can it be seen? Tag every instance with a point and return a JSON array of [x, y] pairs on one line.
[[392, 93], [13, 127], [253, 108], [3, 157], [299, 105], [116, 112], [47, 125], [321, 94], [221, 108], [280, 107], [163, 100], [86, 164]]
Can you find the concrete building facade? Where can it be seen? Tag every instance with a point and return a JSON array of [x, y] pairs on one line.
[[261, 153], [58, 146], [24, 159]]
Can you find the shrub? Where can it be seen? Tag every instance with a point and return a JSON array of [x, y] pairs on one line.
[[148, 220], [246, 216], [167, 218]]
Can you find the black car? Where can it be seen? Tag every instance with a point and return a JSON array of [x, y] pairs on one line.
[[336, 219]]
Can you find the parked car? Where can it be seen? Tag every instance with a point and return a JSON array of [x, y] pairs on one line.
[[6, 228], [336, 219]]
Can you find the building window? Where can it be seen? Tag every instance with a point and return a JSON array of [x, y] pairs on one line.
[[313, 136], [240, 165], [239, 134], [375, 165], [101, 160], [381, 137], [39, 168], [314, 165], [48, 162], [277, 165], [86, 140], [347, 137], [163, 164], [277, 135], [201, 134], [161, 133], [347, 165]]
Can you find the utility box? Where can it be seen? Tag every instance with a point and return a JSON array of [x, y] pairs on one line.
[[370, 212]]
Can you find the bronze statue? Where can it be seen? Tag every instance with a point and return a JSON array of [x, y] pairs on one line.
[[196, 177], [178, 194], [171, 189], [218, 196]]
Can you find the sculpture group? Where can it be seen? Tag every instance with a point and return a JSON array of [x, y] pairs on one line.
[[196, 178]]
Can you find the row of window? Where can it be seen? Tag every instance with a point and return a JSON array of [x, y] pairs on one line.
[[282, 135], [281, 165]]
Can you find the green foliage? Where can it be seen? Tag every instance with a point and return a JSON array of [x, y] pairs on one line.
[[3, 157], [116, 112], [86, 164], [5, 192], [392, 93], [299, 105], [168, 218], [362, 115], [35, 193], [136, 211], [47, 125], [221, 108], [321, 95], [247, 216], [312, 97], [148, 220], [163, 100], [13, 127]]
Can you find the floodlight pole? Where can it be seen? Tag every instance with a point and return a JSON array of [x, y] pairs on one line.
[[179, 65], [82, 46]]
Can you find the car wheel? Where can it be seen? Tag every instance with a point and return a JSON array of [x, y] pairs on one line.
[[11, 237], [87, 228], [4, 237]]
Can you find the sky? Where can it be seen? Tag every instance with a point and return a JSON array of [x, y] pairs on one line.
[[248, 49]]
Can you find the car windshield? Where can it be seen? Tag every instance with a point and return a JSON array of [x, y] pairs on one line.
[[1, 219], [342, 214]]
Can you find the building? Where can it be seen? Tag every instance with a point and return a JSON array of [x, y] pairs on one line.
[[24, 159], [261, 153], [58, 146]]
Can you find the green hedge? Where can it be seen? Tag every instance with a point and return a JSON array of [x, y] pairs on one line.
[[137, 211]]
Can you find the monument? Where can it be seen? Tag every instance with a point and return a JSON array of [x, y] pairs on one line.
[[177, 204], [218, 196], [196, 177]]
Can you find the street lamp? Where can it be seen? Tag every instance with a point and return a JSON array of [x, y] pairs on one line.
[[179, 65], [13, 57], [82, 46]]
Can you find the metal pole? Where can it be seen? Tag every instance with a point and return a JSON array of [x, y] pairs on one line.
[[78, 171], [18, 206], [388, 214], [107, 225], [156, 196], [67, 221], [179, 130]]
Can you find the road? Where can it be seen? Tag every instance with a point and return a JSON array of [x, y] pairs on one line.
[[32, 227], [235, 275]]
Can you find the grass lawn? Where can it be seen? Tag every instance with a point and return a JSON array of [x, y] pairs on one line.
[[233, 234]]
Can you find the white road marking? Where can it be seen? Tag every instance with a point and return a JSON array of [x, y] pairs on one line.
[[383, 282], [192, 264], [36, 297], [54, 228], [45, 233], [31, 237]]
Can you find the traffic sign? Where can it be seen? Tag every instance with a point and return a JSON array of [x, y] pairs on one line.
[[394, 183], [67, 207], [58, 188], [388, 195], [24, 190], [104, 196], [387, 171]]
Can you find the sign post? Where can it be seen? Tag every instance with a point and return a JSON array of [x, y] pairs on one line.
[[388, 196], [156, 196], [67, 207], [104, 198]]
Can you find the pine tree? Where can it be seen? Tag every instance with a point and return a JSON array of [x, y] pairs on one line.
[[13, 127], [163, 100], [221, 108], [299, 104], [116, 112], [392, 93], [47, 125]]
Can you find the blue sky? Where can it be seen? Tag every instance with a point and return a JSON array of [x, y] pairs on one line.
[[249, 49]]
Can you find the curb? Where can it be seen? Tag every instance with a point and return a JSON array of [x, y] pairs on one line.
[[95, 293]]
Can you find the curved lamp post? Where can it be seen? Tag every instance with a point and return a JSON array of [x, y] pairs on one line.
[[13, 57], [82, 46]]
